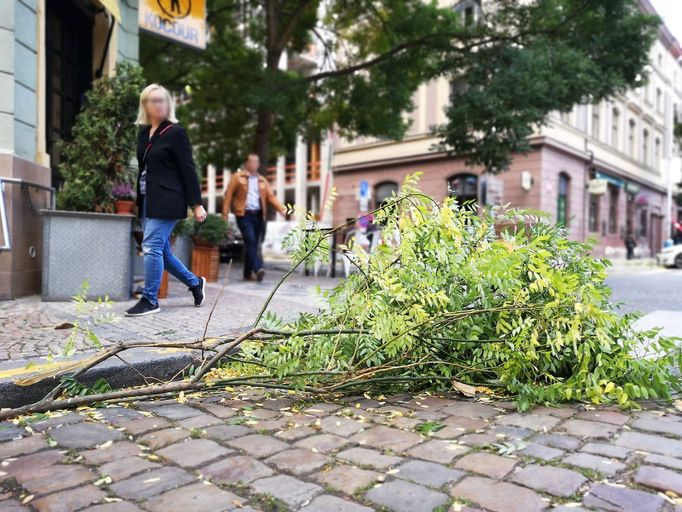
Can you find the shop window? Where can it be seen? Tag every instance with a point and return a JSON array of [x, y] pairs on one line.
[[613, 208], [643, 221], [384, 191], [593, 215], [562, 199], [464, 187]]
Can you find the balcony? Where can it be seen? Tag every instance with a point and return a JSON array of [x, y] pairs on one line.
[[219, 183], [312, 175]]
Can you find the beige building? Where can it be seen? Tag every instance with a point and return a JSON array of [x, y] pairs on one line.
[[626, 143]]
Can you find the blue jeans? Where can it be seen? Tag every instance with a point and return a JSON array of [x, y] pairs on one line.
[[158, 257], [252, 227]]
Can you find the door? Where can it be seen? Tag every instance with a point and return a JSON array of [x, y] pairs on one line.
[[68, 55]]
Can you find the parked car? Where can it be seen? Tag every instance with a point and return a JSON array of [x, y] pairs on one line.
[[670, 256], [232, 247]]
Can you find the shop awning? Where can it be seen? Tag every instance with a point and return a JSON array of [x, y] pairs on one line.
[[112, 7]]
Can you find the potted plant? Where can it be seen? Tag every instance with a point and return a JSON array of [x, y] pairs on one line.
[[83, 239], [207, 236], [125, 198]]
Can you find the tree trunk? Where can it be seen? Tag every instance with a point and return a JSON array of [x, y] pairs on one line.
[[261, 143], [266, 117]]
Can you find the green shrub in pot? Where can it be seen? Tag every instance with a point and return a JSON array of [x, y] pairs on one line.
[[211, 231]]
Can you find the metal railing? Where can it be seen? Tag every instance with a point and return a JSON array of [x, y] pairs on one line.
[[4, 221]]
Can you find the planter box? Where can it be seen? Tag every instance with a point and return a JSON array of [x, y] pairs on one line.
[[206, 262], [92, 247]]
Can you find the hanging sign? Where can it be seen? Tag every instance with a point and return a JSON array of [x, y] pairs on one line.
[[598, 186], [183, 21]]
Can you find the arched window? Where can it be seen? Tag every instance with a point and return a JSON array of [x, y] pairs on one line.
[[464, 187], [645, 147], [383, 191], [562, 199]]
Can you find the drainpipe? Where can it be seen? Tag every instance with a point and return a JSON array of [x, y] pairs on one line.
[[588, 168]]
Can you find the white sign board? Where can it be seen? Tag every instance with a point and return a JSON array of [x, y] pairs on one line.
[[598, 186]]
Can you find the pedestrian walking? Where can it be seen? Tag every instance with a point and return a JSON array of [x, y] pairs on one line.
[[248, 196], [167, 184], [630, 244]]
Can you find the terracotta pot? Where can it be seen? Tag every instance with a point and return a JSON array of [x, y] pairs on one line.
[[163, 289], [206, 262], [124, 206]]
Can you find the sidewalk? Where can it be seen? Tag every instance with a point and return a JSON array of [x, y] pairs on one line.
[[253, 450], [28, 326]]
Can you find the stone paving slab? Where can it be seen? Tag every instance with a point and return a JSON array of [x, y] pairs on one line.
[[342, 455]]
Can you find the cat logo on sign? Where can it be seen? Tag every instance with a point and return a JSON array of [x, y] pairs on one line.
[[183, 21]]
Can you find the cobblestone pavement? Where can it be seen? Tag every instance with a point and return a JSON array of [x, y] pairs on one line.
[[27, 325], [272, 451]]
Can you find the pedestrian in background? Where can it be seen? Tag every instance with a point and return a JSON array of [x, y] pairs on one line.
[[630, 244], [248, 196], [167, 184]]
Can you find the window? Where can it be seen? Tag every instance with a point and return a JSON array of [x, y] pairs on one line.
[[596, 121], [593, 219], [631, 138], [464, 187], [645, 147], [469, 16], [657, 153], [469, 11], [659, 100], [613, 208], [562, 199], [383, 192], [615, 133]]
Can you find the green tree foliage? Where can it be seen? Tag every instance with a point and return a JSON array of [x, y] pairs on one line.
[[103, 142], [452, 297], [522, 61]]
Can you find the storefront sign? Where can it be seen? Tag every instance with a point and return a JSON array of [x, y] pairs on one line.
[[598, 186], [364, 195], [611, 179], [183, 21], [631, 188]]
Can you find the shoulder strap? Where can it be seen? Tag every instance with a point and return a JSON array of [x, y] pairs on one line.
[[149, 145]]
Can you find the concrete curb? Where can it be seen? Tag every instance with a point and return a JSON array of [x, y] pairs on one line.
[[151, 363]]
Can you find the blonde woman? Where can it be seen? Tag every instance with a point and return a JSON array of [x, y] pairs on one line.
[[167, 184]]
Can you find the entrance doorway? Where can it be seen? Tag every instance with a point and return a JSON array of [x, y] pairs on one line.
[[68, 54]]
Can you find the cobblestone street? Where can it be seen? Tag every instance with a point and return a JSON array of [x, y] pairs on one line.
[[27, 325], [272, 451]]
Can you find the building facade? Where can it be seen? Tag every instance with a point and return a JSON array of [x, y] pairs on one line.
[[622, 149], [50, 52]]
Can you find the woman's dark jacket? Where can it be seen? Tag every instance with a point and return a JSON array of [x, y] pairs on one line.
[[172, 183]]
